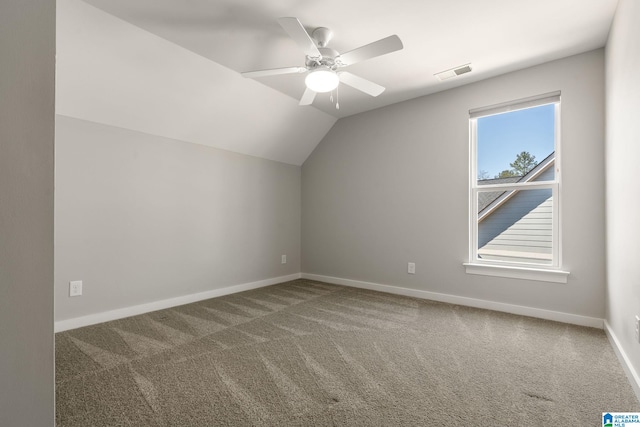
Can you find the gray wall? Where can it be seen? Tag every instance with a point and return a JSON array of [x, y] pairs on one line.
[[141, 218], [391, 186], [27, 61], [622, 152]]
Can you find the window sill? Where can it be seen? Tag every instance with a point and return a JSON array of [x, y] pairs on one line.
[[538, 274]]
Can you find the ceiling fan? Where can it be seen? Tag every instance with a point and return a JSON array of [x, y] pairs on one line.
[[322, 63]]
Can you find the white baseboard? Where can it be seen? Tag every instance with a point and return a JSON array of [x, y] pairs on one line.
[[557, 316], [105, 316], [632, 374]]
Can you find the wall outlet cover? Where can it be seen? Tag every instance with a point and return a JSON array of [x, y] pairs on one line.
[[284, 259], [75, 288], [411, 268]]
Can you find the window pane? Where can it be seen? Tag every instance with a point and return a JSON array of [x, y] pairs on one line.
[[517, 146], [516, 226]]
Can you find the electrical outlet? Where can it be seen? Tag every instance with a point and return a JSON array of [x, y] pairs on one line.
[[284, 259], [638, 329], [411, 268], [75, 288]]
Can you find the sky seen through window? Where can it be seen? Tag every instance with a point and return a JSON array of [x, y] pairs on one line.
[[502, 137]]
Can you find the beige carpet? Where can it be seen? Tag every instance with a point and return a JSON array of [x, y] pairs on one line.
[[305, 353]]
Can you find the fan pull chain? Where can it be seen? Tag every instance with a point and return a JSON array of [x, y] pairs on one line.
[[331, 97], [337, 97]]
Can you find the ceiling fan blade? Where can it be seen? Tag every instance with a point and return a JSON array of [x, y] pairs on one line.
[[381, 47], [364, 85], [296, 31], [273, 72], [307, 97]]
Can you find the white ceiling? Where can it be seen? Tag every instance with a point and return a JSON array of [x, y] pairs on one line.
[[496, 36], [171, 67]]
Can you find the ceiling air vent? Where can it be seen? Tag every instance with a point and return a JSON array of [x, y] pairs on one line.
[[462, 69]]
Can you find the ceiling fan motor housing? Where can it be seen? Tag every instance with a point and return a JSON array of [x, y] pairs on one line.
[[328, 59], [322, 36]]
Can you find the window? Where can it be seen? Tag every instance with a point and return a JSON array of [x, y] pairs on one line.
[[515, 186]]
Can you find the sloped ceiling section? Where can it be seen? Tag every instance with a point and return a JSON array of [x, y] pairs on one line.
[[112, 72]]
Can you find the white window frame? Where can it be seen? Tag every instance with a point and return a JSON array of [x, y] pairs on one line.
[[530, 271]]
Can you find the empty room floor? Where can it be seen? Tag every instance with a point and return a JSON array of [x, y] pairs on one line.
[[306, 353]]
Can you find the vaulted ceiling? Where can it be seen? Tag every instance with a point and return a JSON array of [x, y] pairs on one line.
[[171, 68]]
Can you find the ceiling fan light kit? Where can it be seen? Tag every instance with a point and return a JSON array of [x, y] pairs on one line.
[[322, 79], [322, 63]]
